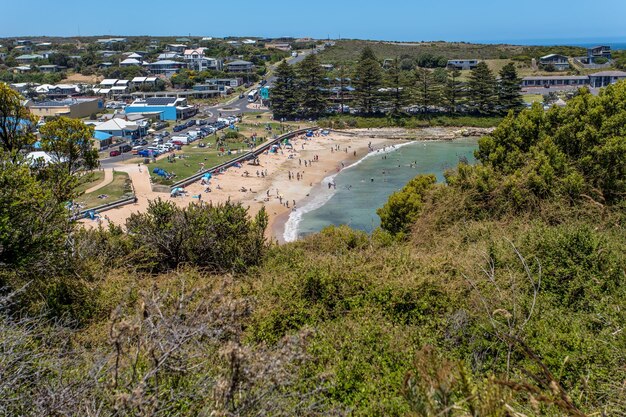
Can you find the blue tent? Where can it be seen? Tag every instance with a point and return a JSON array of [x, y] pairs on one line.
[[207, 176]]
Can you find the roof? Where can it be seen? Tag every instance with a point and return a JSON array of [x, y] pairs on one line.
[[101, 135], [139, 79], [609, 74], [130, 61], [164, 62], [557, 77], [119, 88], [108, 81], [240, 62], [60, 103], [199, 51], [160, 101], [116, 124], [553, 56], [27, 56], [134, 55], [166, 55]]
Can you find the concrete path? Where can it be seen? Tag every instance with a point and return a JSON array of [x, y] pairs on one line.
[[108, 179]]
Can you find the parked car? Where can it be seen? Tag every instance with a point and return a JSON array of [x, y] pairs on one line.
[[115, 153], [126, 148], [136, 149]]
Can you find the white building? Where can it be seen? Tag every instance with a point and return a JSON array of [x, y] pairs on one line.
[[196, 60]]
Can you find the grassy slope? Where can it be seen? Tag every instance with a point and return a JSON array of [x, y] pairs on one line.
[[117, 189]]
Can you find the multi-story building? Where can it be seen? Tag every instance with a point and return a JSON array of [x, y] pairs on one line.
[[559, 62], [196, 60], [463, 64]]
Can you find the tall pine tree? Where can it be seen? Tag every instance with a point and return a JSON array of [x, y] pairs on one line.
[[427, 89], [284, 93], [453, 92], [482, 90], [397, 92], [509, 89], [311, 76], [368, 80]]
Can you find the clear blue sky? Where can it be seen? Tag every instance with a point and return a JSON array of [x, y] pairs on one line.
[[415, 20]]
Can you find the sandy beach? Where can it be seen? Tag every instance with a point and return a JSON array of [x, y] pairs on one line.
[[280, 181]]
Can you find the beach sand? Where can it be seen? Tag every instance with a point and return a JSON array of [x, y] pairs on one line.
[[272, 191]]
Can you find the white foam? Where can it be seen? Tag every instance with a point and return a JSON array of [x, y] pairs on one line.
[[325, 194]]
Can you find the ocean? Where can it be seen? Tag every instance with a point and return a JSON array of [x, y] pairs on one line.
[[366, 185], [581, 43]]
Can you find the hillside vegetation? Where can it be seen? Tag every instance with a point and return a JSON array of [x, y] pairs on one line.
[[498, 293], [345, 51]]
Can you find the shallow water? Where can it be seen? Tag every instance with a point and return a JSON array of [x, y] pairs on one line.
[[365, 186]]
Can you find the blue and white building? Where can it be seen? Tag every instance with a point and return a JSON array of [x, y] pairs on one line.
[[168, 108]]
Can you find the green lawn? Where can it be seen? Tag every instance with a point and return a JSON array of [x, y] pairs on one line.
[[120, 187], [533, 98], [193, 155], [90, 180]]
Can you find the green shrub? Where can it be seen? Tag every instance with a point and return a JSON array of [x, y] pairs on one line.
[[404, 206], [217, 237]]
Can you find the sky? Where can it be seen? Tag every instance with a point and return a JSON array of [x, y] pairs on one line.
[[416, 20]]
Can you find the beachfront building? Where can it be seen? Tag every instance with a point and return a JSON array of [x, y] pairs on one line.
[[558, 62], [555, 80], [240, 66], [597, 80], [75, 107], [225, 82], [118, 127], [58, 90], [168, 108], [196, 60], [606, 78], [176, 47], [139, 82], [28, 59], [165, 67], [601, 51], [462, 64]]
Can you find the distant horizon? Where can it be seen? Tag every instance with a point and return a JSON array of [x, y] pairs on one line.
[[574, 41], [482, 21]]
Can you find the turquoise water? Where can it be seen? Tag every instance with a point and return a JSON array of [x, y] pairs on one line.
[[366, 185]]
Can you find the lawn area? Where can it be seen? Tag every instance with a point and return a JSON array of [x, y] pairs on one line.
[[89, 180], [120, 187], [533, 98], [188, 160]]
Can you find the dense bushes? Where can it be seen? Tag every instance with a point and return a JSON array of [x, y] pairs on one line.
[[398, 215], [219, 238], [566, 154]]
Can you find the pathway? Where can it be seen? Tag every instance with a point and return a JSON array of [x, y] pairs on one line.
[[108, 179]]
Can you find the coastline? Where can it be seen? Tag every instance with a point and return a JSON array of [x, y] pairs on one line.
[[265, 185]]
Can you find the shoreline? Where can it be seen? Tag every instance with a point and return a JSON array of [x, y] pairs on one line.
[[268, 184], [254, 186]]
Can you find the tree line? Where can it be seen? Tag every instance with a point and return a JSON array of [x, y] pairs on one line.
[[304, 90]]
